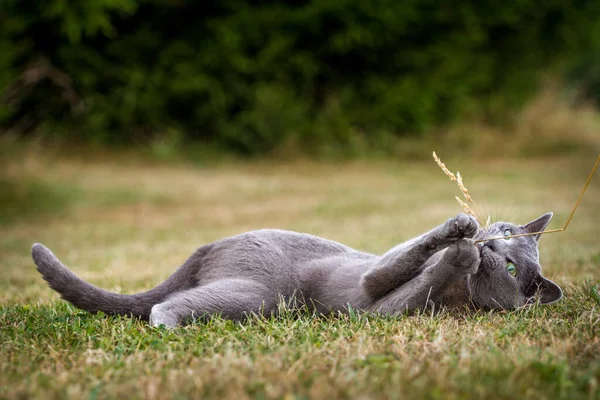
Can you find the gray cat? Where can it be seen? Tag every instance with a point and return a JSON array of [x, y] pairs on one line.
[[252, 272]]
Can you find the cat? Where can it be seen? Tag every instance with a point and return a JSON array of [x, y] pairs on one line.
[[252, 272]]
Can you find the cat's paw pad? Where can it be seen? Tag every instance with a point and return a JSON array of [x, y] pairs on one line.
[[465, 255], [462, 226]]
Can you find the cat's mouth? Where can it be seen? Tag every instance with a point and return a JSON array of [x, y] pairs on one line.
[[485, 253]]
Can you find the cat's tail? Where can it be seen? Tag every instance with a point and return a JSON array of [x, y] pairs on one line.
[[90, 298]]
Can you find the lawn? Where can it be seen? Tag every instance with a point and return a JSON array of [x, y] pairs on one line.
[[125, 226]]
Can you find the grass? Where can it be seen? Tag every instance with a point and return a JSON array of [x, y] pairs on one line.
[[128, 226]]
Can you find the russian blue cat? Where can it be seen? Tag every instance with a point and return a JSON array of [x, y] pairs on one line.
[[254, 271]]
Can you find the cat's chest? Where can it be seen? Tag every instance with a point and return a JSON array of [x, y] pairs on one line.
[[456, 295]]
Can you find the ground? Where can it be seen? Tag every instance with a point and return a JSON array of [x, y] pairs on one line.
[[125, 226]]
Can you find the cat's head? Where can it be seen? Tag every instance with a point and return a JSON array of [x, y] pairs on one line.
[[509, 275]]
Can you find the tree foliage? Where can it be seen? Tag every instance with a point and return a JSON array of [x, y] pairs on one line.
[[254, 76]]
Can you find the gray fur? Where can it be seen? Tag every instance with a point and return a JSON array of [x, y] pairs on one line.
[[252, 272]]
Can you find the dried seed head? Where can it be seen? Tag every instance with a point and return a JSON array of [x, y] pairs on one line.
[[462, 187], [443, 167], [466, 208], [458, 179]]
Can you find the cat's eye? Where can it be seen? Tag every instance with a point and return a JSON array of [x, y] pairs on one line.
[[507, 233], [511, 268]]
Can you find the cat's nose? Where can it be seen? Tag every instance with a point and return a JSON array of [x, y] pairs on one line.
[[491, 245]]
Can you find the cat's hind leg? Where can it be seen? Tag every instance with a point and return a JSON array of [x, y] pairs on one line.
[[231, 298]]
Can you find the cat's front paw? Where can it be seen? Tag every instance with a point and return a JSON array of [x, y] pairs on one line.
[[464, 255], [462, 226]]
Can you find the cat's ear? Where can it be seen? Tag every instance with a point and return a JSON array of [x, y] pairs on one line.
[[549, 291], [539, 224]]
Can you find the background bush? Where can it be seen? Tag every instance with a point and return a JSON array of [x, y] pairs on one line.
[[258, 76]]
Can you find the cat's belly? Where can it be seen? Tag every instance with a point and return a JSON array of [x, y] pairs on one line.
[[333, 283], [290, 264]]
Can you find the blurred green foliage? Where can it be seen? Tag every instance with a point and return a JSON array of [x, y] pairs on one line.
[[257, 76]]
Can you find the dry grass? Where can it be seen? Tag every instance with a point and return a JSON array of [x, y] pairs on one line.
[[132, 225], [459, 181]]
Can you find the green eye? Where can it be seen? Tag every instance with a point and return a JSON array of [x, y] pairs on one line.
[[512, 270], [507, 233]]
